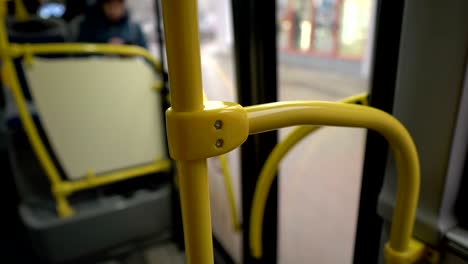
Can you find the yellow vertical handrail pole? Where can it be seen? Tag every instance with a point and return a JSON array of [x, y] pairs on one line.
[[183, 59]]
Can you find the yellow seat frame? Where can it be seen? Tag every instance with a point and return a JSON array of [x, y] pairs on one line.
[[62, 188]]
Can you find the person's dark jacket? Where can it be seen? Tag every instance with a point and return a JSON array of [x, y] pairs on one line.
[[96, 28]]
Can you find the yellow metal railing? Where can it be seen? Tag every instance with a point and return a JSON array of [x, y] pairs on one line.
[[29, 50], [191, 121], [415, 249], [276, 115], [61, 188], [268, 174]]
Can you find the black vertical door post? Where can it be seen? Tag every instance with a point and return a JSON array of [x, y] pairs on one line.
[[383, 81], [256, 80]]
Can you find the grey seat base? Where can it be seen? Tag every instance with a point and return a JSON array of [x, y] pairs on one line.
[[99, 225]]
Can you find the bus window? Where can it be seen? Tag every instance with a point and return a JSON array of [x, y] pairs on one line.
[[323, 54]]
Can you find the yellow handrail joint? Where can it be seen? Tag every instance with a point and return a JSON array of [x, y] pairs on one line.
[[28, 55], [63, 208], [218, 129], [62, 188]]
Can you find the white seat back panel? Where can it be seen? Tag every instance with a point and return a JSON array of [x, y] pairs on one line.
[[99, 114]]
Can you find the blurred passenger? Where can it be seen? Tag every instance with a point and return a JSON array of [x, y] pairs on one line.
[[109, 22]]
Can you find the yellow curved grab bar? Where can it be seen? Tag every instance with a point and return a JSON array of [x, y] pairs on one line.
[[277, 115], [16, 50], [230, 192], [267, 175]]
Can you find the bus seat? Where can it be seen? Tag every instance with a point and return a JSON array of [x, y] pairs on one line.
[[31, 186], [99, 228], [99, 113]]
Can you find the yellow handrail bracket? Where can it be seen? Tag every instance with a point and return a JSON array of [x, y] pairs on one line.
[[223, 127]]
